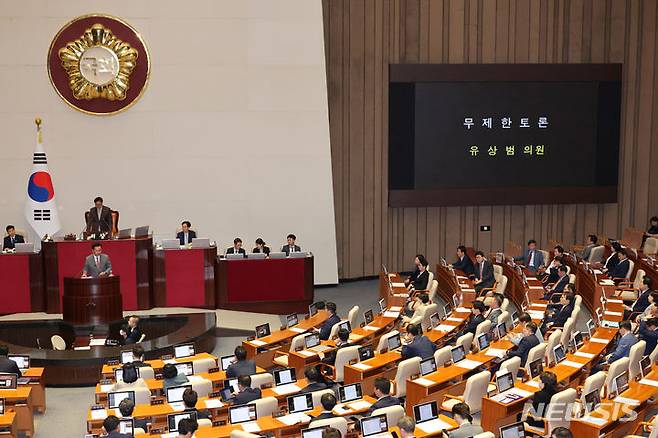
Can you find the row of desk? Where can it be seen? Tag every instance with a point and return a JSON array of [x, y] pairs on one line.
[[159, 278], [21, 404]]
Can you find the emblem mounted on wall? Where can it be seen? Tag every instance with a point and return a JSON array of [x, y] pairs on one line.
[[99, 64]]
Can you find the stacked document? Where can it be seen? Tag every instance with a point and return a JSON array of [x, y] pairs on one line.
[[433, 426], [286, 389], [572, 364], [627, 401], [454, 319], [583, 354], [468, 364], [291, 419], [213, 403], [395, 309], [599, 340], [607, 282], [297, 330], [649, 382], [99, 414], [463, 309], [359, 405], [511, 395], [106, 388], [370, 328], [361, 366], [595, 420], [257, 343], [97, 342], [398, 285], [496, 352], [391, 314], [423, 381], [251, 427], [444, 328]]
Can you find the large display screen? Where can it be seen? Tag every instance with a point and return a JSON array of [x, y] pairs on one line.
[[503, 134]]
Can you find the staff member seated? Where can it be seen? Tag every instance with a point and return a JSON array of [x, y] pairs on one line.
[[462, 415], [186, 236], [291, 247], [190, 398], [620, 271], [383, 394], [138, 356], [187, 427], [548, 387], [591, 244], [242, 366], [172, 377], [418, 345], [111, 428], [477, 317], [12, 238], [559, 285], [126, 408], [97, 264], [645, 299], [464, 262], [315, 381], [261, 247], [130, 379], [416, 272], [626, 340], [417, 308], [325, 329], [236, 248], [559, 318], [328, 402], [342, 342], [246, 393]]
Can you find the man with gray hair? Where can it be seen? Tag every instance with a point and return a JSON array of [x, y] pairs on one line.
[[407, 427]]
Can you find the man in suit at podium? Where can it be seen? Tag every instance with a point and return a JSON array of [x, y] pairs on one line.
[[12, 238], [97, 264], [186, 235], [100, 218], [291, 247], [236, 248]]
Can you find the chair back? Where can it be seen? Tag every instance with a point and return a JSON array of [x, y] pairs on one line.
[[596, 255], [512, 365], [593, 383], [343, 357], [146, 373], [654, 355], [406, 369], [578, 300], [559, 409], [266, 406], [505, 307], [465, 340], [572, 279], [536, 352], [631, 266], [297, 342], [552, 341], [383, 341], [352, 315], [475, 389], [430, 279], [335, 328], [498, 271], [650, 246], [567, 330], [337, 423], [203, 387], [654, 425], [434, 286], [203, 365], [616, 368], [504, 317], [429, 311], [546, 254], [142, 396], [58, 342], [635, 355], [442, 355], [639, 278], [501, 284], [483, 327], [261, 379], [393, 413]]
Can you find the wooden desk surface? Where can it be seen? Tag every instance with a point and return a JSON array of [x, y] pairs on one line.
[[158, 364]]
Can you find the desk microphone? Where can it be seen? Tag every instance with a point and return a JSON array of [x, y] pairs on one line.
[[38, 344]]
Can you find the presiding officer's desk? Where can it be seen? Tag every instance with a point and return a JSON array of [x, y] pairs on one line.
[[184, 277], [22, 280]]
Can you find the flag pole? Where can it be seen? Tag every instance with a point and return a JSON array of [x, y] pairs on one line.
[[38, 123]]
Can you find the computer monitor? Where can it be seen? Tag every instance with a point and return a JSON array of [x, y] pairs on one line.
[[350, 393], [284, 376], [515, 317], [313, 309], [24, 248], [577, 340], [22, 360], [313, 432], [232, 384], [502, 330], [374, 425], [118, 374], [183, 350], [558, 353], [591, 327], [345, 325], [175, 393], [226, 361], [2, 406], [125, 233], [226, 394], [142, 231], [292, 320], [127, 426], [394, 342], [8, 381], [447, 310], [592, 400], [536, 367], [114, 398], [368, 316], [645, 366], [242, 413], [483, 341], [427, 366], [366, 352], [312, 340], [457, 353], [426, 412], [455, 300], [174, 419], [170, 244], [621, 382], [515, 430], [435, 320], [126, 356], [504, 381], [263, 330], [185, 368], [382, 304], [300, 403]]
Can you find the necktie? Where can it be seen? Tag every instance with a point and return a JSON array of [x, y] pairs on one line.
[[185, 238], [98, 262], [530, 254], [481, 267]]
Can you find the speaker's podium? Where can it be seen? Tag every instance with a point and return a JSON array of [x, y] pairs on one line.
[[91, 301]]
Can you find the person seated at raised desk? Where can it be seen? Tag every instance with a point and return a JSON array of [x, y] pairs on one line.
[[559, 318], [414, 274], [328, 402], [653, 228], [591, 244], [421, 282], [291, 246], [111, 428], [261, 247], [241, 366], [417, 345], [186, 235], [494, 310], [236, 248], [383, 395], [463, 262], [484, 273], [652, 309], [187, 427], [325, 329], [532, 258], [647, 333], [626, 340], [126, 408], [515, 338], [644, 297], [621, 269], [477, 317], [7, 365], [172, 377], [416, 308], [315, 380], [528, 341], [548, 387], [343, 341], [100, 218], [462, 415], [97, 264], [129, 379], [190, 398], [559, 285], [613, 258], [12, 238], [246, 394], [551, 274]]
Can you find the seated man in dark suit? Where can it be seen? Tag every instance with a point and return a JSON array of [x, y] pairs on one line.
[[383, 394], [642, 302], [559, 285], [126, 408], [559, 318], [421, 282], [589, 246], [261, 247], [464, 262], [484, 274], [134, 331], [325, 329], [246, 394], [528, 341], [649, 334], [620, 271], [236, 248], [532, 258], [242, 366], [186, 236], [494, 310], [551, 274], [342, 342], [111, 428], [477, 316], [12, 238], [100, 218], [315, 381], [7, 365], [97, 264], [328, 402], [190, 398], [613, 259], [290, 247], [418, 346]]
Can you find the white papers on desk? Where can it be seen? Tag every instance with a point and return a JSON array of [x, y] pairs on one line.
[[468, 289], [533, 383], [463, 309], [607, 282], [391, 275], [461, 277], [433, 426], [649, 382], [251, 427], [88, 347], [170, 435], [511, 395], [572, 364], [495, 352], [544, 305], [99, 414], [455, 319], [583, 354], [306, 353], [391, 314], [598, 271], [444, 328], [595, 420], [398, 285], [297, 330], [355, 337], [536, 287], [361, 366], [536, 314], [423, 381], [171, 361], [286, 389], [291, 419], [257, 343], [613, 313], [627, 401], [599, 340], [395, 309], [97, 342], [177, 406], [468, 364], [359, 405], [106, 388], [370, 328], [213, 403], [610, 300]]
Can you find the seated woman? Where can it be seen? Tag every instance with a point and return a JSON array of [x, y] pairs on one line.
[[415, 310], [130, 379], [548, 387]]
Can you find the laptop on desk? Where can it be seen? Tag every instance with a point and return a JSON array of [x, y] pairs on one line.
[[125, 233], [23, 248], [142, 231], [201, 242], [170, 244]]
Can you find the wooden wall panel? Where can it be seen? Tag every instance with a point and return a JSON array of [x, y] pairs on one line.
[[363, 37]]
